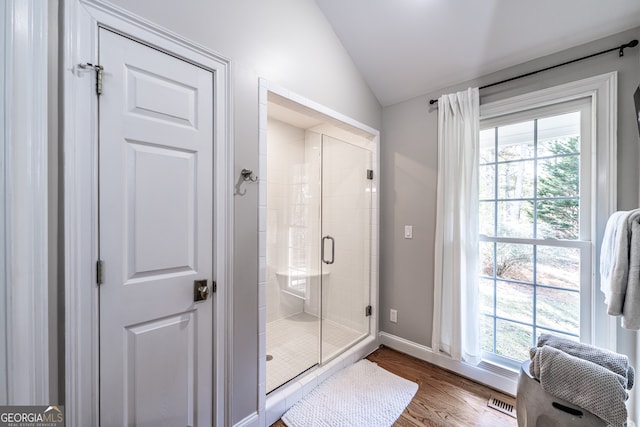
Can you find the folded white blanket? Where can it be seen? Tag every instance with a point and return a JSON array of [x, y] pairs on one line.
[[620, 267], [615, 362], [585, 384]]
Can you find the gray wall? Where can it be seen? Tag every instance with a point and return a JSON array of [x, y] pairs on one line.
[[56, 247], [3, 243], [290, 43], [409, 168]]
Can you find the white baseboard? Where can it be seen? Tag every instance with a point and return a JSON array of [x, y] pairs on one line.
[[495, 377], [252, 420]]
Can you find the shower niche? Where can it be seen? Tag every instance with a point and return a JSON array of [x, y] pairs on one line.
[[320, 238]]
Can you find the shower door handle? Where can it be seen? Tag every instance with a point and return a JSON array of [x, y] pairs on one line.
[[333, 249]]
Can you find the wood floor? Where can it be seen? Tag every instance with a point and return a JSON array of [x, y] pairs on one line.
[[444, 399]]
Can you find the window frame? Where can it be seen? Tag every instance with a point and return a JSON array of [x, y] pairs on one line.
[[582, 242], [602, 93]]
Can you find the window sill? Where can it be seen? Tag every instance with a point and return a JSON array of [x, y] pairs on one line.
[[501, 361]]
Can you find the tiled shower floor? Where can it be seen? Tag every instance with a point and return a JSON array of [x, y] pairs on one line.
[[293, 344]]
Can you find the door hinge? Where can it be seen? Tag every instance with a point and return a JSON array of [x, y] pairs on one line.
[[214, 286], [368, 311], [98, 69], [99, 271], [369, 174]]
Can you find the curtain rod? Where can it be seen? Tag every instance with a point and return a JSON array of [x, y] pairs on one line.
[[620, 49]]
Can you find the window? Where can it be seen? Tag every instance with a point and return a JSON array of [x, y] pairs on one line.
[[535, 223]]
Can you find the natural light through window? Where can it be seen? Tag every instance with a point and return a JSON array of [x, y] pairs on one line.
[[534, 244]]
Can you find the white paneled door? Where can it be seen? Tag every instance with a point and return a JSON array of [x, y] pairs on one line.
[[156, 216]]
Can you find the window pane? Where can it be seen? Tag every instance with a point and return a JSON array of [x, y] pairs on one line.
[[515, 141], [558, 219], [486, 259], [559, 267], [513, 340], [515, 219], [515, 180], [558, 310], [515, 262], [487, 182], [486, 214], [559, 176], [515, 301], [486, 296], [486, 333], [487, 146], [540, 331], [561, 127]]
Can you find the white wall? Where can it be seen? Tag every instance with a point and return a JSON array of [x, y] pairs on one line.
[[288, 42]]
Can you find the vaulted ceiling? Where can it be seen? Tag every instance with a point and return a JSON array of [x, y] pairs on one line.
[[406, 48]]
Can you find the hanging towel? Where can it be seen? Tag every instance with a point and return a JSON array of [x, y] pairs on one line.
[[620, 267], [614, 270], [631, 307], [615, 362], [590, 386]]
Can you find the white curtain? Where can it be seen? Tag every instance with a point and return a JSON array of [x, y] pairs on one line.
[[456, 328]]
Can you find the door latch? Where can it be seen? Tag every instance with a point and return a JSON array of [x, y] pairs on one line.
[[200, 290], [98, 69]]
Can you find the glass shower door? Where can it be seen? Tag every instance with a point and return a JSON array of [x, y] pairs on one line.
[[345, 245], [292, 253]]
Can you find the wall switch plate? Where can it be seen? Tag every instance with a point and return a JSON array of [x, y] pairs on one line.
[[408, 231], [393, 315]]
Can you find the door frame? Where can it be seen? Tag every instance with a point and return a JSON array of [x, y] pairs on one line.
[[82, 18], [28, 329]]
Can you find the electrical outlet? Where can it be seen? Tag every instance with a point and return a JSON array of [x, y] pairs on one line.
[[408, 231], [393, 315]]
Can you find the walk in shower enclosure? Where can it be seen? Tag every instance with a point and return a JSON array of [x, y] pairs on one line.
[[318, 239]]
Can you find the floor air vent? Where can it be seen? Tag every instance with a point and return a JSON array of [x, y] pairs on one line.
[[501, 406]]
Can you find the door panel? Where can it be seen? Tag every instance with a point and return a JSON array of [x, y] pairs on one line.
[[156, 215], [157, 97], [147, 400], [346, 244], [161, 201]]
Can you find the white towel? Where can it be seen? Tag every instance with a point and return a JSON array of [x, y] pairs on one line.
[[620, 267], [614, 263]]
